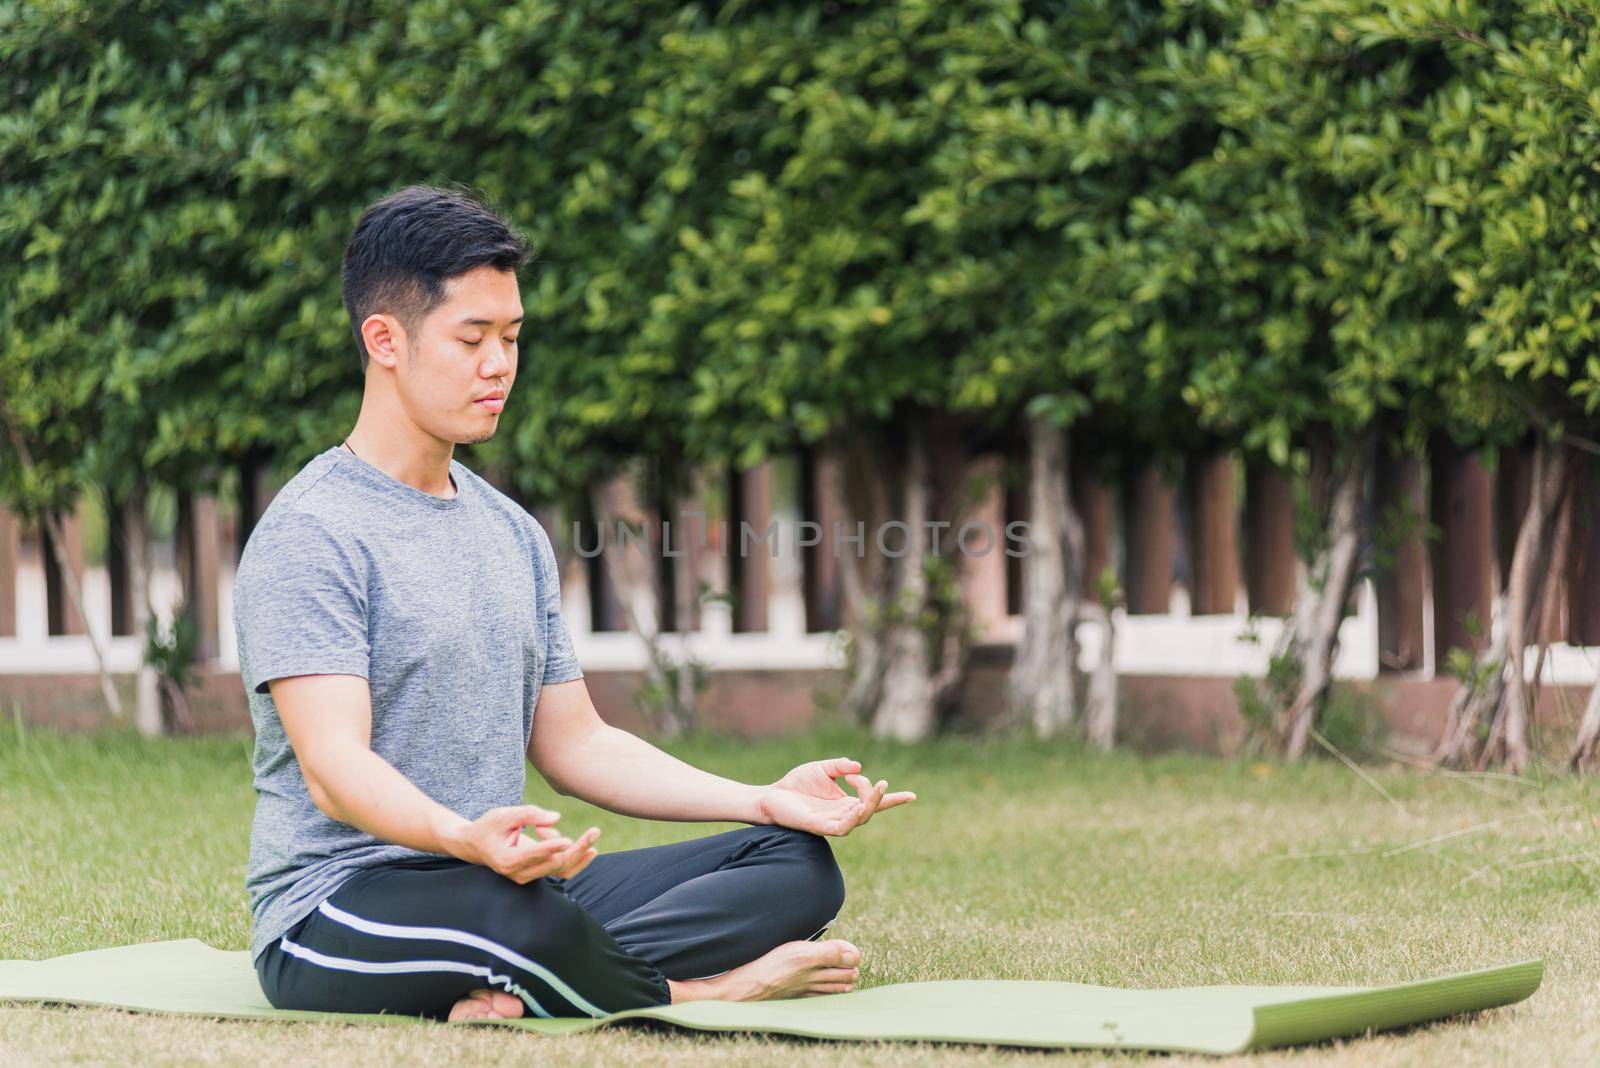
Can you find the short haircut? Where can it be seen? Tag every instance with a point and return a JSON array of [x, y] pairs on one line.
[[408, 245]]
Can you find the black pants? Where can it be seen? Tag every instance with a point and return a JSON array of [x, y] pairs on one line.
[[414, 937]]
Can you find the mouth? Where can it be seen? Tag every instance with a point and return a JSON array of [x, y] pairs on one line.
[[492, 403]]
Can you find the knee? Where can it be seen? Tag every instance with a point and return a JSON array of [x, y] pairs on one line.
[[534, 920], [817, 876]]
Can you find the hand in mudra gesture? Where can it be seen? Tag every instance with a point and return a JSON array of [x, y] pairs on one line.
[[497, 841], [808, 798]]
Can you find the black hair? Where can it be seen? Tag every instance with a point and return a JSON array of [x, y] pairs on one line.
[[409, 244]]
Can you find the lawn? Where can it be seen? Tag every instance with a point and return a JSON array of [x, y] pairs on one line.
[[1019, 861]]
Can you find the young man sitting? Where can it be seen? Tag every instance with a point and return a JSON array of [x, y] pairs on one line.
[[402, 645]]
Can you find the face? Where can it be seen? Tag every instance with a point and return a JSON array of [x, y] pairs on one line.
[[453, 372]]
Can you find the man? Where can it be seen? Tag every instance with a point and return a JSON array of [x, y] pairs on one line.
[[401, 642]]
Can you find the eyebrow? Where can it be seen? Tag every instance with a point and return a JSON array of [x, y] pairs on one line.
[[485, 322]]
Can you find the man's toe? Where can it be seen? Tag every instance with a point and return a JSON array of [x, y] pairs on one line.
[[505, 1006], [468, 1009]]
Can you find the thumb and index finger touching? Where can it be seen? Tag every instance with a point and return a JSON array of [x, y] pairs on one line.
[[864, 786], [542, 823]]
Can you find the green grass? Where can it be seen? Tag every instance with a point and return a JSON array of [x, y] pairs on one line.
[[1019, 861]]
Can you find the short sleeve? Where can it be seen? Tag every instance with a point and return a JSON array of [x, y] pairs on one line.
[[300, 604], [560, 659]]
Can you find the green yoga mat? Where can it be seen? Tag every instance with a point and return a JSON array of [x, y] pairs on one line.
[[191, 977]]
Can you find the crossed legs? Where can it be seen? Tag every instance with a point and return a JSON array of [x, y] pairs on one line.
[[731, 915]]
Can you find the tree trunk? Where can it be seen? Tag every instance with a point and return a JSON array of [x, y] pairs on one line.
[[147, 716], [1311, 637], [863, 578], [1497, 694], [906, 710], [58, 547], [867, 657], [908, 643], [1101, 725], [686, 695], [1547, 621], [1045, 684], [635, 587]]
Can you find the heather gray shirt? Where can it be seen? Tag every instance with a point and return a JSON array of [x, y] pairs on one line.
[[450, 608]]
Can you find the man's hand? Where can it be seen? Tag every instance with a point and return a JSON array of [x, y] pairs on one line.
[[808, 798], [496, 841], [578, 857]]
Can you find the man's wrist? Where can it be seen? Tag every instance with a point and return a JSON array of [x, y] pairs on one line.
[[758, 808], [451, 832]]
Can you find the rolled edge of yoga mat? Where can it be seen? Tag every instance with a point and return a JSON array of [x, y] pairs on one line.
[[1342, 1015], [1137, 1019]]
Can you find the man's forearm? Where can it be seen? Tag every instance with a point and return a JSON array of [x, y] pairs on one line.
[[623, 773], [370, 794]]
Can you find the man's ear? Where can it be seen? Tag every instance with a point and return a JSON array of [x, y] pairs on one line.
[[384, 338]]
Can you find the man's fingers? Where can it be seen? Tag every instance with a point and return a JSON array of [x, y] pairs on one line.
[[868, 804], [871, 802], [834, 767], [585, 840], [552, 847], [534, 853], [841, 826], [538, 859], [860, 784], [529, 815], [868, 795], [573, 854], [864, 786], [582, 863]]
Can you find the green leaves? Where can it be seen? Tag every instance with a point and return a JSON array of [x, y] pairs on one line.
[[758, 224]]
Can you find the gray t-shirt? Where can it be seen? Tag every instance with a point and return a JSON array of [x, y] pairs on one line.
[[449, 607]]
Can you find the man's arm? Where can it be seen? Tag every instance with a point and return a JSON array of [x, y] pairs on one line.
[[328, 719], [581, 755]]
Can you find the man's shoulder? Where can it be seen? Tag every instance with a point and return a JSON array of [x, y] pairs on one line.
[[300, 514]]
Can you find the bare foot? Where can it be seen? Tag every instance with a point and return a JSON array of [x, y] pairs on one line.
[[486, 1005], [793, 970]]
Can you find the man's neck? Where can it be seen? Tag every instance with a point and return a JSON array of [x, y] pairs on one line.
[[419, 460]]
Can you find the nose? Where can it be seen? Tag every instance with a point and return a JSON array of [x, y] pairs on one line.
[[497, 364]]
